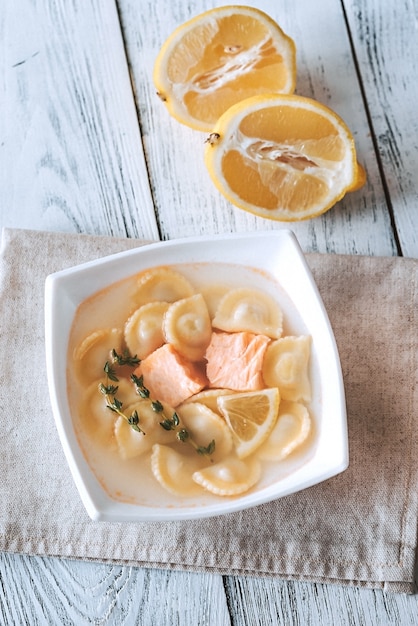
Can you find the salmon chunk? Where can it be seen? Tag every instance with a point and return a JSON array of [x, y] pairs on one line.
[[235, 360], [170, 377]]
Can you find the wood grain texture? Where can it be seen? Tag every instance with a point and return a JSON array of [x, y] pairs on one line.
[[311, 604], [386, 44], [69, 130], [72, 148], [174, 152], [40, 591]]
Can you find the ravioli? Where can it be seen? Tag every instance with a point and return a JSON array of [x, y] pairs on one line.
[[199, 347], [93, 352], [162, 284], [94, 418], [132, 443], [204, 425], [187, 327], [291, 430], [249, 310], [143, 331], [229, 477], [174, 470], [285, 366], [209, 397]]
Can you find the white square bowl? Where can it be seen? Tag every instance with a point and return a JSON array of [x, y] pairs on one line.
[[275, 252]]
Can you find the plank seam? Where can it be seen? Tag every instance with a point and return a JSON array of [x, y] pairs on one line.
[[372, 134]]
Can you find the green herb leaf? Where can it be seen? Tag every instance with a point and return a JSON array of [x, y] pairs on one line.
[[171, 424], [157, 406], [109, 390], [138, 381], [110, 372], [183, 435], [114, 404], [133, 419], [125, 358], [207, 450], [139, 386]]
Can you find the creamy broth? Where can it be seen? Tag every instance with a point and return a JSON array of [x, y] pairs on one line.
[[132, 480]]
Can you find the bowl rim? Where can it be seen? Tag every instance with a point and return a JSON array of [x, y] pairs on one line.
[[98, 504]]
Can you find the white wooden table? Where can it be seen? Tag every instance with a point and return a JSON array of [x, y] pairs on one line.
[[86, 146]]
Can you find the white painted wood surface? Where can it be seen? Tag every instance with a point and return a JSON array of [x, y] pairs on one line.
[[79, 153], [71, 145]]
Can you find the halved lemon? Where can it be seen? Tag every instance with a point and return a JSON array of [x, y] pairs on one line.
[[220, 57], [282, 157], [251, 417]]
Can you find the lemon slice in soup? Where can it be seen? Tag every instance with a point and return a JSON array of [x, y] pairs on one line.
[[251, 417]]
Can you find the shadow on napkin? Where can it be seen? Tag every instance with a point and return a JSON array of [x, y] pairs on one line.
[[358, 528]]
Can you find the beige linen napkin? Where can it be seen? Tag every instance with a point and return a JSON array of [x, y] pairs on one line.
[[358, 528]]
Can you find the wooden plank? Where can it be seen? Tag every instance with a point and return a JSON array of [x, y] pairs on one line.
[[186, 201], [68, 123], [51, 591], [359, 224], [72, 160], [386, 44], [312, 603]]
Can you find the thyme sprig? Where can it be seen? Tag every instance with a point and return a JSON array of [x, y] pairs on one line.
[[183, 435], [113, 403], [173, 422], [109, 391], [125, 358]]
